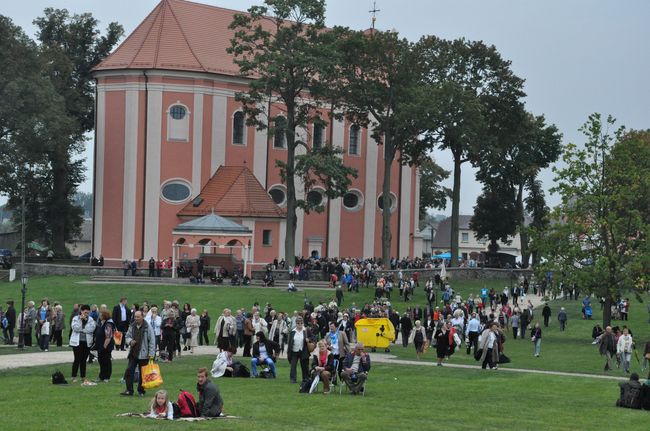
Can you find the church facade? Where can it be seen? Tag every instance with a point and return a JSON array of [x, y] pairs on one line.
[[171, 145]]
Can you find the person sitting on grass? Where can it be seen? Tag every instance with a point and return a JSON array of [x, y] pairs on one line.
[[264, 352], [355, 369], [222, 366], [161, 407], [630, 393], [323, 365], [210, 403]]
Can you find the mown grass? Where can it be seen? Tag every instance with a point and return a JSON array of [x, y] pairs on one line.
[[404, 397]]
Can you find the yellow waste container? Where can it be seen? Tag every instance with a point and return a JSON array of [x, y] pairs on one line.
[[375, 333]]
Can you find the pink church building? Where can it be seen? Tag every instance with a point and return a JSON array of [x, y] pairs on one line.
[[176, 167]]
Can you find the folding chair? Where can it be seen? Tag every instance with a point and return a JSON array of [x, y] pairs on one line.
[[344, 385]]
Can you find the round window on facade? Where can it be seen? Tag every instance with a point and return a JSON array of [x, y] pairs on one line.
[[393, 202], [176, 191], [278, 195], [177, 112], [353, 200], [315, 198]]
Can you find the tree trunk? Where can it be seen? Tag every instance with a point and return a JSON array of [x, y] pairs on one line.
[[523, 232], [292, 219], [607, 311], [455, 210], [386, 234], [59, 206]]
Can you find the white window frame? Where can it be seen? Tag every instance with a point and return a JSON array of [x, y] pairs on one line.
[[279, 187], [244, 133], [393, 205], [360, 202], [185, 119], [176, 181]]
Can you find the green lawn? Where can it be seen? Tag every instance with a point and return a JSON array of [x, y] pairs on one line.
[[407, 397], [569, 351]]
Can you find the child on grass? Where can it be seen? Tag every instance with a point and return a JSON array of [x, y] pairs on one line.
[[161, 407]]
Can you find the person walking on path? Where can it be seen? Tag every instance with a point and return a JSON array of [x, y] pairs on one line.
[[546, 313], [624, 349], [536, 338], [406, 326], [418, 337], [608, 347], [490, 347], [142, 346], [562, 318], [8, 331], [514, 322]]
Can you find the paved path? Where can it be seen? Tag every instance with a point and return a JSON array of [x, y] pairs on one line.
[[61, 357]]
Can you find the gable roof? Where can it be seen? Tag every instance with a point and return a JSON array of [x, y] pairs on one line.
[[179, 35], [443, 234], [233, 191], [212, 223]]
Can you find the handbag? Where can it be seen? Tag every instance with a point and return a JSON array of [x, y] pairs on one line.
[[117, 337], [311, 346], [150, 374], [647, 355]]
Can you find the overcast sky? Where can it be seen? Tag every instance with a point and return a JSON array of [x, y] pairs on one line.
[[577, 56]]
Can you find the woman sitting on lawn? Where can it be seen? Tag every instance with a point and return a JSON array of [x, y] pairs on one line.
[[322, 365], [264, 352]]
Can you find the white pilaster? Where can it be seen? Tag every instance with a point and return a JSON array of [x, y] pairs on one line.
[[405, 212], [334, 237], [260, 148], [244, 252], [130, 173], [197, 144], [338, 127], [99, 172], [281, 237], [218, 152], [152, 191], [369, 210]]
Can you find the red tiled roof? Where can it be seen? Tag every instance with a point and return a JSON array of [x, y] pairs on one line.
[[233, 191], [178, 35]]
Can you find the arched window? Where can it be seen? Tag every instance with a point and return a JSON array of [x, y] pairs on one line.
[[280, 133], [178, 123], [354, 140], [238, 128], [318, 136]]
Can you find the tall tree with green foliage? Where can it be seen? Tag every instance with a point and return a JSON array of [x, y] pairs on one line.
[[379, 85], [70, 46], [432, 194], [471, 87], [282, 48], [32, 116], [524, 145], [599, 234], [494, 216]]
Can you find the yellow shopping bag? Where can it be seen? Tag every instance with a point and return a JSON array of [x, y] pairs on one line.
[[150, 375]]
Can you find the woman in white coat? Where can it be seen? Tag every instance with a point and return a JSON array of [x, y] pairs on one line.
[[192, 323]]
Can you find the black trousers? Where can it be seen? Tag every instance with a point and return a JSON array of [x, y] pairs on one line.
[[304, 365], [488, 360], [8, 333], [546, 321], [473, 341], [27, 337], [203, 335], [247, 345], [240, 338], [81, 353], [129, 375], [105, 364], [405, 339], [168, 343]]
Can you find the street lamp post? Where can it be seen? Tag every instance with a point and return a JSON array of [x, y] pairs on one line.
[[23, 280]]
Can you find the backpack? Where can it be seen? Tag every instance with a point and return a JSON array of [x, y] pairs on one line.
[[240, 370], [187, 405], [418, 338], [305, 385], [58, 379], [5, 322]]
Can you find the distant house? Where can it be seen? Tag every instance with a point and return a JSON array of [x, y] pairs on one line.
[[80, 245], [468, 246]]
